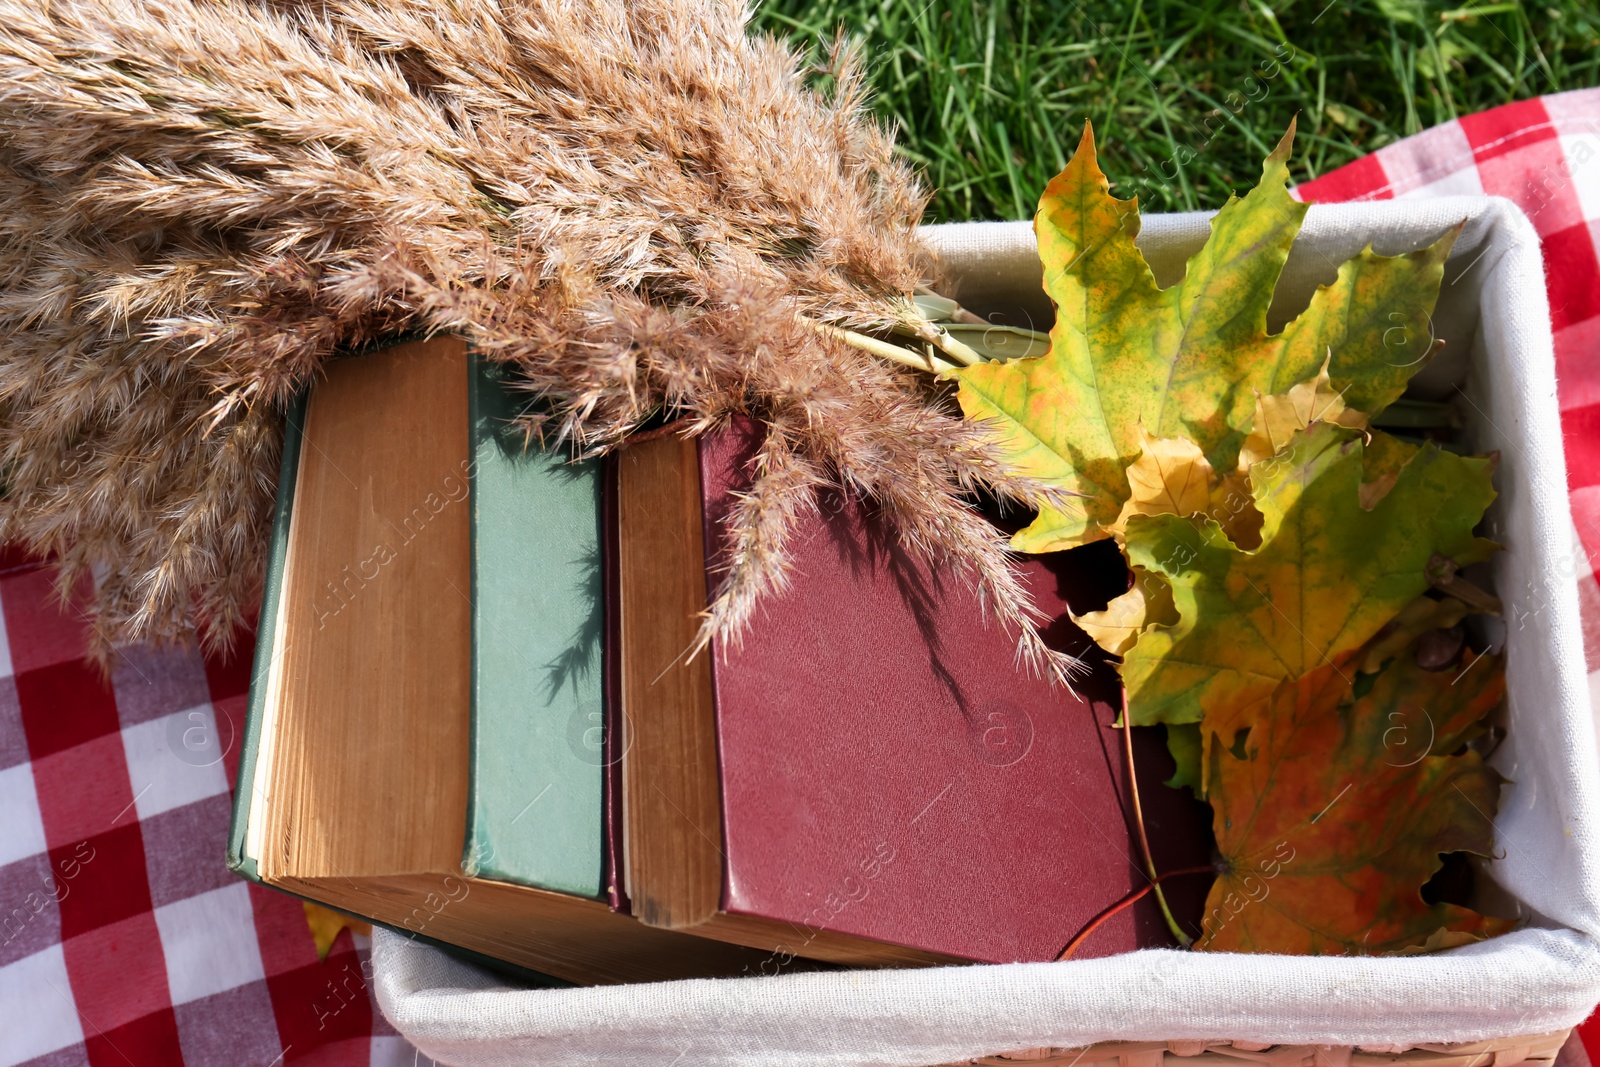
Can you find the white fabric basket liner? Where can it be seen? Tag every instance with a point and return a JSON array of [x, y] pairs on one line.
[[1495, 321]]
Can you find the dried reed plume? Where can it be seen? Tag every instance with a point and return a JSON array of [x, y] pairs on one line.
[[636, 203]]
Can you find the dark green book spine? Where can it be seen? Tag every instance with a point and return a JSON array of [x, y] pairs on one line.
[[536, 808]]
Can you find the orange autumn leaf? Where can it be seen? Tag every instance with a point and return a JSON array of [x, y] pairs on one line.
[[1276, 540], [1333, 811]]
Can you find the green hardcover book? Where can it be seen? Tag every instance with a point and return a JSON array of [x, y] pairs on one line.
[[366, 782], [537, 811], [240, 861]]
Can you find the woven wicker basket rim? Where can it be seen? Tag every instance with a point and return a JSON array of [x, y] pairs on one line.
[[1501, 1052]]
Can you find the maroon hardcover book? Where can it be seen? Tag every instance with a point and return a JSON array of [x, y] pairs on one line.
[[887, 772]]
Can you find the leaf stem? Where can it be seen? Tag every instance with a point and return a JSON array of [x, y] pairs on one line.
[[1144, 839], [1127, 902]]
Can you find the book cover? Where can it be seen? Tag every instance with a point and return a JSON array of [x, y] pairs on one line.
[[537, 808], [889, 772]]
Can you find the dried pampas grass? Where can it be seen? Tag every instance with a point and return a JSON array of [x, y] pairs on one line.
[[634, 202]]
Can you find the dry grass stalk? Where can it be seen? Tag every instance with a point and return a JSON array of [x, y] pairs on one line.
[[636, 203]]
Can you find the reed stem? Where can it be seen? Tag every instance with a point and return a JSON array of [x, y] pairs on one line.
[[905, 356]]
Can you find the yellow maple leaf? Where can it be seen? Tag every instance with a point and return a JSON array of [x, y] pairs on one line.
[[1279, 417], [1148, 602], [1170, 477], [1182, 361]]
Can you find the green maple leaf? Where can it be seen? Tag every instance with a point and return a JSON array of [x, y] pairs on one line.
[[1127, 358], [1327, 576], [1337, 812]]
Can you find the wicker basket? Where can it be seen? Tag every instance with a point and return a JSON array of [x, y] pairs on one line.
[[1536, 1048], [1450, 1009]]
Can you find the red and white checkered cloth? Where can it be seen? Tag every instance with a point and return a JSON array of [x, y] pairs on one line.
[[125, 942], [124, 939]]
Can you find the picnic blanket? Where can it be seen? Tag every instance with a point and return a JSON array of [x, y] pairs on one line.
[[124, 938], [125, 941]]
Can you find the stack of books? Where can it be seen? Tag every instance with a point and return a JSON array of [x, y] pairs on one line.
[[476, 718]]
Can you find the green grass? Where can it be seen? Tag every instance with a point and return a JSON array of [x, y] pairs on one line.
[[1185, 97]]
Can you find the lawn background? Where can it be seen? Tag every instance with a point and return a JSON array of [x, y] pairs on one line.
[[1185, 98]]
